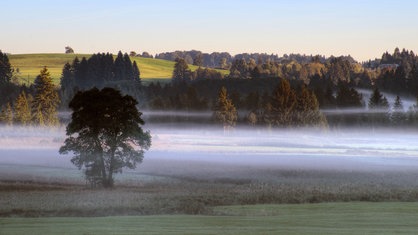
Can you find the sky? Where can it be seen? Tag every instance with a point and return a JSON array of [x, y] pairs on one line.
[[363, 29]]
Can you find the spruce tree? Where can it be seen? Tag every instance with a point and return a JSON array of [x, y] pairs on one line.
[[46, 100], [307, 110], [136, 72], [67, 84], [379, 106], [119, 68], [23, 113], [398, 116], [181, 72], [6, 71], [378, 101], [6, 115], [128, 69], [283, 104], [225, 111]]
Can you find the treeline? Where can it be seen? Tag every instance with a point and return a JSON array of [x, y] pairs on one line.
[[329, 84], [100, 70], [398, 73], [224, 60], [268, 102], [36, 105]]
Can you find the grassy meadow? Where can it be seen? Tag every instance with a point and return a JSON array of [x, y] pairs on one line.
[[30, 65], [324, 218]]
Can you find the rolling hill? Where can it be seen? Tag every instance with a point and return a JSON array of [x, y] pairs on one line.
[[30, 64]]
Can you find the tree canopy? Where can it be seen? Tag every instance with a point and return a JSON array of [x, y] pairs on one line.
[[105, 133]]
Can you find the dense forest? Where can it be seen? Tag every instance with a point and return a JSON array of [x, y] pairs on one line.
[[259, 90]]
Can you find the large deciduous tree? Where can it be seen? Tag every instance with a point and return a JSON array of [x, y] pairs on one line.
[[105, 133]]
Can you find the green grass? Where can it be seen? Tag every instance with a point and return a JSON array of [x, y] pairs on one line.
[[326, 218], [30, 65]]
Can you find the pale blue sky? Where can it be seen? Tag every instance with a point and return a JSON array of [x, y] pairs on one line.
[[364, 29]]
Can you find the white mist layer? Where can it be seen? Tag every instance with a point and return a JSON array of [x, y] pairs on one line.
[[302, 149]]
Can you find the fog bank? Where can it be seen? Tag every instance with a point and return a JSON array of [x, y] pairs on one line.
[[293, 149]]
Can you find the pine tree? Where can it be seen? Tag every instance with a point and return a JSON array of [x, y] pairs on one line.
[[307, 111], [283, 104], [46, 100], [6, 71], [6, 115], [136, 72], [181, 72], [23, 113], [119, 68], [380, 107], [398, 116], [67, 84], [225, 111], [378, 101]]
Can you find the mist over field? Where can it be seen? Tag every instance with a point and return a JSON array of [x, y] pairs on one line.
[[211, 151]]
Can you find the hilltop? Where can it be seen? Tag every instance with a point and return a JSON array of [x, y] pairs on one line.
[[30, 64]]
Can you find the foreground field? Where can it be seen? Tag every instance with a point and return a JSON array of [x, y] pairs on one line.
[[326, 218], [203, 181]]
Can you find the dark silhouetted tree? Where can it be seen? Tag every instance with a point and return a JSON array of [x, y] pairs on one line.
[[105, 133]]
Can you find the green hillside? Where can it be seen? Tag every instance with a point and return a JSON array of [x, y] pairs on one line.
[[30, 64]]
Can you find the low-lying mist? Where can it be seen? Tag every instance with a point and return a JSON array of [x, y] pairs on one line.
[[342, 149]]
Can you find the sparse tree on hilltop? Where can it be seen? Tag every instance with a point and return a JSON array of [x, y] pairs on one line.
[[69, 50]]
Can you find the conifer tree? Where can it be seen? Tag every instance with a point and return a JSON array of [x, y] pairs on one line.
[[23, 113], [307, 110], [67, 84], [136, 72], [380, 107], [6, 71], [378, 101], [46, 100], [119, 68], [6, 115], [398, 116], [283, 104], [225, 111], [181, 71]]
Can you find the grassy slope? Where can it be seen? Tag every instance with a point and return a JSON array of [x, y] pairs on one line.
[[30, 65], [326, 218]]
